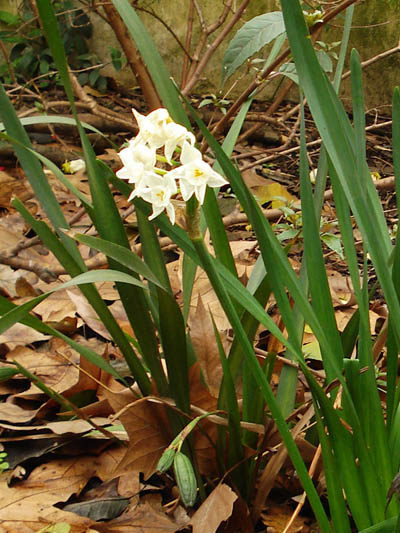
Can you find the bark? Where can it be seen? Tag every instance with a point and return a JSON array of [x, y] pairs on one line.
[[133, 57]]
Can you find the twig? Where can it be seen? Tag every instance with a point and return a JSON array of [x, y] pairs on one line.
[[31, 266], [211, 49], [317, 142], [133, 57], [374, 59], [96, 109], [7, 60], [311, 472], [278, 61], [189, 32]]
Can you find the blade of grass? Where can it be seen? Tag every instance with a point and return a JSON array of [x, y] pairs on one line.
[[56, 171], [317, 278], [240, 473], [173, 340], [338, 138]]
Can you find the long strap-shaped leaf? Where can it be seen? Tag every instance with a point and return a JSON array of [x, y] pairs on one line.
[[338, 137], [106, 215]]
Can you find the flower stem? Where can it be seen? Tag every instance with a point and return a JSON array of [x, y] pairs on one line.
[[193, 219]]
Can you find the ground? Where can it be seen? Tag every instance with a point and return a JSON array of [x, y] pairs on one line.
[[62, 465]]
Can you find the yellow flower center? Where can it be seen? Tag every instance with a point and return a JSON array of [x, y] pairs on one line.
[[161, 195], [198, 173]]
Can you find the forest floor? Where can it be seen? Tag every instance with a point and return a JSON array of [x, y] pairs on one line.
[[63, 475]]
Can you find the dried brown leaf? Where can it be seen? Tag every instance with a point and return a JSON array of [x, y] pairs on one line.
[[147, 428], [206, 348], [214, 510], [53, 369], [141, 518], [204, 438], [19, 335], [10, 412], [31, 503]]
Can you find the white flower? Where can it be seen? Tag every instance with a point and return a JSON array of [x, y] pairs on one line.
[[158, 192], [175, 135], [158, 129], [71, 167], [151, 128], [195, 174], [138, 160]]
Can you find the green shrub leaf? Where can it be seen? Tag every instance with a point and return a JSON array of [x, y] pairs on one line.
[[253, 36]]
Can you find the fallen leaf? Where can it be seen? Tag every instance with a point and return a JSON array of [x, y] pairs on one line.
[[206, 348], [147, 427], [214, 510], [10, 412], [273, 192], [278, 515], [205, 433], [142, 518], [30, 503], [20, 335], [56, 307], [341, 288], [49, 366]]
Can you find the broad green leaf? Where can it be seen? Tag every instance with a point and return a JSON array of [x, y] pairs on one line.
[[254, 35]]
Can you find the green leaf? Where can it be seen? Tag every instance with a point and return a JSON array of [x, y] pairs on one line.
[[388, 526], [8, 18], [254, 35], [123, 255], [7, 373], [333, 242], [53, 119]]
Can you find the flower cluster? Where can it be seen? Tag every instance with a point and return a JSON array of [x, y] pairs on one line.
[[155, 185]]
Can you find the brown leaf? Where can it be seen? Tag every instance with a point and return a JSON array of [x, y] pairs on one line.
[[53, 369], [341, 288], [278, 515], [147, 428], [202, 287], [215, 509], [11, 412], [31, 503], [204, 437], [56, 307], [141, 518], [88, 314], [206, 348], [19, 335]]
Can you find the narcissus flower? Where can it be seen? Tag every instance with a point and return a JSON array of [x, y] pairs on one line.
[[158, 193], [195, 174], [158, 129], [155, 185], [138, 159]]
